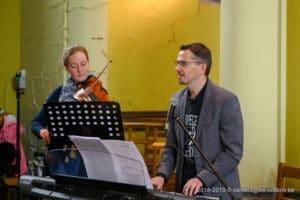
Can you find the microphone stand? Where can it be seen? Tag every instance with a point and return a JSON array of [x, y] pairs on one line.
[[177, 119], [19, 91]]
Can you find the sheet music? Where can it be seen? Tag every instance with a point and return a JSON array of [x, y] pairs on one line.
[[113, 160]]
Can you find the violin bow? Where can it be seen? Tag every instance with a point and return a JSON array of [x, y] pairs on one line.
[[103, 70]]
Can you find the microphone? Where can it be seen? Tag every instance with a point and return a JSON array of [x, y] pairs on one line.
[[20, 81], [173, 105], [171, 114]]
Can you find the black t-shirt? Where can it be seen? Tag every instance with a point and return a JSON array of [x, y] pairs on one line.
[[191, 119]]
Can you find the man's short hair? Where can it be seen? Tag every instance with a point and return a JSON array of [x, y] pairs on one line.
[[201, 52]]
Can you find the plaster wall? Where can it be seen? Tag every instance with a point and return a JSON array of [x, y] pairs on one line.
[[48, 27], [9, 52], [144, 39], [293, 88], [250, 66]]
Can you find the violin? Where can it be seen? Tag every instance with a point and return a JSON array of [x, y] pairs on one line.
[[91, 89]]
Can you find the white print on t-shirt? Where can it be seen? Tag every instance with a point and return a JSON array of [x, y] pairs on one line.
[[191, 124]]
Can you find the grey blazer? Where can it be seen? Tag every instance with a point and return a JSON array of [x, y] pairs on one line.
[[220, 136]]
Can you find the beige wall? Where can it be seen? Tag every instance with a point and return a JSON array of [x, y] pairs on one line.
[[86, 24], [42, 42], [251, 66]]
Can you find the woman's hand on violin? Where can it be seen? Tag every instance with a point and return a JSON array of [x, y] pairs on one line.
[[91, 90], [44, 134], [82, 94]]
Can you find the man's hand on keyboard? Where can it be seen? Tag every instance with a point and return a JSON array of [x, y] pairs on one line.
[[157, 182], [192, 187]]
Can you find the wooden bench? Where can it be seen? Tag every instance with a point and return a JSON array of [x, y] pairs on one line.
[[144, 128], [147, 128], [286, 171]]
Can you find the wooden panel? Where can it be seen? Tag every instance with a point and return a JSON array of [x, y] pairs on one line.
[[147, 128], [144, 116], [144, 128]]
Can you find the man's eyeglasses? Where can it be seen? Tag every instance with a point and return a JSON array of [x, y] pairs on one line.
[[184, 63]]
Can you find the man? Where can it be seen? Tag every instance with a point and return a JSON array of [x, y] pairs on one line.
[[214, 121]]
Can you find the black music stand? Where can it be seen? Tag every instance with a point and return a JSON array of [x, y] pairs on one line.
[[93, 119]]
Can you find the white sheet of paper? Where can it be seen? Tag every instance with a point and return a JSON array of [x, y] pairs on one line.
[[113, 160]]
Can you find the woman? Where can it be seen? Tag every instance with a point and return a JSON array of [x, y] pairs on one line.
[[8, 127], [76, 63]]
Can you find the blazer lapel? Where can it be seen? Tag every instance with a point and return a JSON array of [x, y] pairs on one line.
[[208, 101], [179, 130]]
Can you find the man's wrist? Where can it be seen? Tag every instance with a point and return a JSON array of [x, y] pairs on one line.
[[163, 176], [199, 179]]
